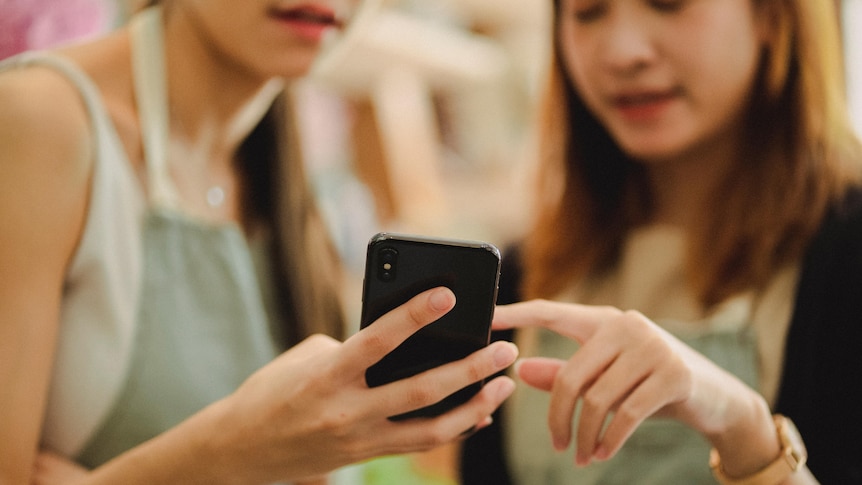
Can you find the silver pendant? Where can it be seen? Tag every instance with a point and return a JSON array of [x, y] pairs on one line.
[[215, 196]]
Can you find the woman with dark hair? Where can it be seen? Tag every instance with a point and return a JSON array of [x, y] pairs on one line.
[[160, 251], [699, 168]]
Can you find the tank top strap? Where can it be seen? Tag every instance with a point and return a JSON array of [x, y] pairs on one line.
[[150, 86], [101, 288]]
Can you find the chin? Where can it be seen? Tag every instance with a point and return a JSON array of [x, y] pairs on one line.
[[287, 62], [296, 67], [649, 151], [292, 70]]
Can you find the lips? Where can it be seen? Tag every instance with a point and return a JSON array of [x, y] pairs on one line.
[[309, 22], [644, 105], [310, 15], [644, 98]]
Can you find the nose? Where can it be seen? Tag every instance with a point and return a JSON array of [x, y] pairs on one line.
[[627, 42]]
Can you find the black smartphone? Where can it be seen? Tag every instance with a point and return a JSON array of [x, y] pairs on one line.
[[400, 266]]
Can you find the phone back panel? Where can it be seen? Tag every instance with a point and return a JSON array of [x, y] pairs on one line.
[[399, 267]]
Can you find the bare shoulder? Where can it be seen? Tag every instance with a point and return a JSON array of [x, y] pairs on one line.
[[41, 110], [46, 158], [44, 126]]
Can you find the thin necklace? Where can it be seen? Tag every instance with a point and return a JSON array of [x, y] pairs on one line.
[[215, 196]]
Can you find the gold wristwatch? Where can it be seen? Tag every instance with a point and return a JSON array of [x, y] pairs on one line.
[[792, 458]]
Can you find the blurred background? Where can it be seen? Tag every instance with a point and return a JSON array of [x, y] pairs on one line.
[[417, 119]]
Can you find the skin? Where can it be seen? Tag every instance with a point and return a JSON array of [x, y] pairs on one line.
[[628, 365], [303, 415], [669, 79]]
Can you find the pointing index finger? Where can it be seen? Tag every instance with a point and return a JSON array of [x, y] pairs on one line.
[[578, 322]]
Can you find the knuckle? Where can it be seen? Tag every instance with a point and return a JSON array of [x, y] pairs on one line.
[[656, 343], [569, 385], [476, 371], [376, 343], [628, 413], [419, 396], [632, 314], [417, 315], [634, 323], [336, 423], [612, 311], [593, 401], [436, 436], [633, 319]]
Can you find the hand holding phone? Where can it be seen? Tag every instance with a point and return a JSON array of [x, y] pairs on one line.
[[399, 266]]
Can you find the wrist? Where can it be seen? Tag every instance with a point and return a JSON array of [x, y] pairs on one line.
[[213, 454], [748, 442], [171, 458], [187, 454], [790, 459]]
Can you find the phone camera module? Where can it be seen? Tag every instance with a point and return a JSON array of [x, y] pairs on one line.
[[387, 264]]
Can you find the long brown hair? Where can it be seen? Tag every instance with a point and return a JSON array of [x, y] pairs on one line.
[[801, 155], [307, 273]]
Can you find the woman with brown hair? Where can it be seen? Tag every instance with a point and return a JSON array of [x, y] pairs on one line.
[[161, 249], [699, 171]]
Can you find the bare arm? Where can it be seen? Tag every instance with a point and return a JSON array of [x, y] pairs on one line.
[[45, 166], [53, 469], [310, 411]]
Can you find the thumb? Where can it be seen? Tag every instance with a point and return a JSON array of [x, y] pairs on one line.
[[539, 372]]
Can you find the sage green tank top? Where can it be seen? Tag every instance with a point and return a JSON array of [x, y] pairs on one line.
[[202, 320]]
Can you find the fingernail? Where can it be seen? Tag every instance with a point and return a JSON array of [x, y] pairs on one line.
[[441, 299], [505, 390], [601, 453], [582, 459], [560, 444], [505, 354], [516, 367]]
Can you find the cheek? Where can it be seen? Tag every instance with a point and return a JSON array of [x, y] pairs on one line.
[[723, 54], [728, 82], [580, 68]]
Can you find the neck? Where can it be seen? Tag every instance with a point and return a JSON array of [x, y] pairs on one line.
[[214, 103], [683, 186]]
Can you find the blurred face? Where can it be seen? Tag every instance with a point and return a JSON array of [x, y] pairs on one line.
[[264, 37], [666, 77]]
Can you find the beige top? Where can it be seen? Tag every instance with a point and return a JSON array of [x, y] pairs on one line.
[[651, 268]]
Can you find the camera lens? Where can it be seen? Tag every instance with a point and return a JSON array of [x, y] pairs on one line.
[[386, 266]]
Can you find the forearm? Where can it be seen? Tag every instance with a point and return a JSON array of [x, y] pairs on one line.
[[186, 454]]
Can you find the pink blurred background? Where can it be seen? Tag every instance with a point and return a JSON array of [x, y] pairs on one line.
[[38, 24]]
